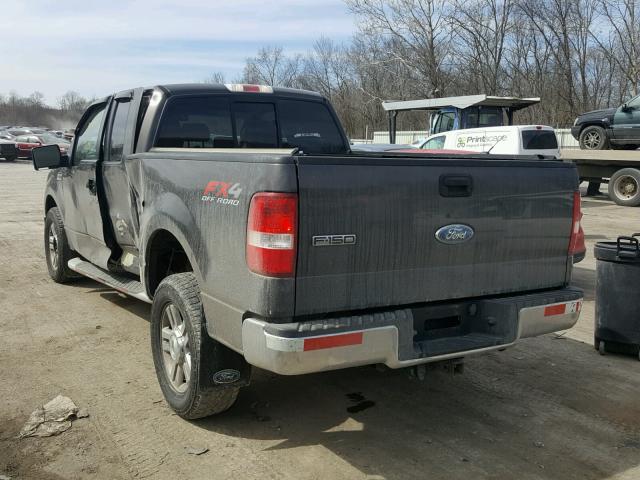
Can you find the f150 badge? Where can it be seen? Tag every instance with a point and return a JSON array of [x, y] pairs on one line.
[[333, 240], [224, 193], [454, 233]]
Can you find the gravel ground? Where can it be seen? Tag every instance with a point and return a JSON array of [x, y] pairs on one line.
[[549, 408]]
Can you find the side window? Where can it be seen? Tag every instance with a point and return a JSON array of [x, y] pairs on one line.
[[195, 122], [255, 125], [445, 122], [634, 103], [436, 143], [490, 117], [470, 116], [87, 140], [118, 131]]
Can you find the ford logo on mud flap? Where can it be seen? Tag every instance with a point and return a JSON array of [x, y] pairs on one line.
[[455, 233], [225, 377]]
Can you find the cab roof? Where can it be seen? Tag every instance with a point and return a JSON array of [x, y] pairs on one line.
[[204, 88]]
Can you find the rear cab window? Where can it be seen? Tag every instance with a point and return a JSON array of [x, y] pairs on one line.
[[539, 140], [224, 121]]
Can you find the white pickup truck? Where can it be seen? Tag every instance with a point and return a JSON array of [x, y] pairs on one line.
[[505, 140]]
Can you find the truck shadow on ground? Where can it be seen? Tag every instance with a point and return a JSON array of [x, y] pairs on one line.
[[548, 408]]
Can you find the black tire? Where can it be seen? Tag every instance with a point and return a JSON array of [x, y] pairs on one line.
[[10, 159], [594, 137], [624, 187], [56, 247], [197, 396]]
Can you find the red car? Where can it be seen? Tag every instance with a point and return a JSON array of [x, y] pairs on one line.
[[26, 143]]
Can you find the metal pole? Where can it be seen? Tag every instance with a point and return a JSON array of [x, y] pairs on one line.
[[392, 126]]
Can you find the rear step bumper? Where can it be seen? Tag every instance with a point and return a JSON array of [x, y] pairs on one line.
[[401, 338]]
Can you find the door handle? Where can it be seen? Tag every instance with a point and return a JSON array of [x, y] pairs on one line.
[[456, 185], [91, 185]]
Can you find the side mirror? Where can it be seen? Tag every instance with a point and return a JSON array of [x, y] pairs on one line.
[[48, 156], [625, 107]]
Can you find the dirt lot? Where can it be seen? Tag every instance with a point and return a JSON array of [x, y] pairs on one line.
[[550, 408]]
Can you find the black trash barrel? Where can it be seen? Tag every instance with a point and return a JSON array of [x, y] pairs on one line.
[[618, 295]]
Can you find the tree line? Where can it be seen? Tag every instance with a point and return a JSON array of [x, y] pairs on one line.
[[577, 55], [33, 111]]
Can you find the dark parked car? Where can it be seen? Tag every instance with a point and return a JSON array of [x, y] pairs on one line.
[[8, 148], [616, 128]]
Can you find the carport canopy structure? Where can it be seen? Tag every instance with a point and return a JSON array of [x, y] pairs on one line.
[[509, 104]]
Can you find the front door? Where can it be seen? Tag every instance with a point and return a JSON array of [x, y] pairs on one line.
[[626, 122], [83, 219]]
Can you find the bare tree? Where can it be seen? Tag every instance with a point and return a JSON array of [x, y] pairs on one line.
[[215, 78], [481, 30], [420, 35], [72, 102], [622, 45], [272, 67]]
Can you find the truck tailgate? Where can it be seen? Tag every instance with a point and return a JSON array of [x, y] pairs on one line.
[[375, 221]]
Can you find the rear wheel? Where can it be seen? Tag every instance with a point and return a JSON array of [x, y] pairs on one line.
[[56, 247], [594, 138], [624, 187], [186, 359]]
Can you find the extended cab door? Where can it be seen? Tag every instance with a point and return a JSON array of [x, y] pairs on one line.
[[82, 215], [120, 194]]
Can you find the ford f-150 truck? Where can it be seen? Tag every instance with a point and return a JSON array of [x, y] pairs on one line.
[[240, 213]]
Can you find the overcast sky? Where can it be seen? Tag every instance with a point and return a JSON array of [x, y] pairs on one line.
[[100, 46]]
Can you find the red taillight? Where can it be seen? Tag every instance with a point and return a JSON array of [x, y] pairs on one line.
[[271, 234], [576, 244]]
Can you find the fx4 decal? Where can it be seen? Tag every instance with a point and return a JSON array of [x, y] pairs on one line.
[[223, 193]]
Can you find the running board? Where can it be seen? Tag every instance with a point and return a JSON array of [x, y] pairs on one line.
[[120, 283]]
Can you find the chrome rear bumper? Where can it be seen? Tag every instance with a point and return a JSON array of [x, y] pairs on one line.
[[390, 337]]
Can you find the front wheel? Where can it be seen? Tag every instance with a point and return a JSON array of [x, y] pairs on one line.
[[624, 187], [10, 159], [56, 248], [594, 138], [198, 376]]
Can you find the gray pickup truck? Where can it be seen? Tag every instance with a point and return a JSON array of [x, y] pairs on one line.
[[240, 213]]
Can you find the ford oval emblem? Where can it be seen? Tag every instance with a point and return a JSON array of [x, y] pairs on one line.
[[225, 377], [455, 233]]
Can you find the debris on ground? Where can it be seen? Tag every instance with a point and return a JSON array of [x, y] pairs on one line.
[[539, 444], [196, 450], [53, 418]]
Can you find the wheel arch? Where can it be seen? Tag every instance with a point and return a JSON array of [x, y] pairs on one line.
[[593, 123], [167, 252], [49, 202]]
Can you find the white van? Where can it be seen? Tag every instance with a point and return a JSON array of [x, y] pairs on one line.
[[507, 140]]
